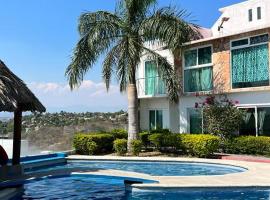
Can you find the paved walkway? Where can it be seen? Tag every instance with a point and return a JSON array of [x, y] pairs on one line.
[[258, 174], [245, 158]]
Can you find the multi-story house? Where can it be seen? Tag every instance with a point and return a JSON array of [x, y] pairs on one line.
[[232, 58]]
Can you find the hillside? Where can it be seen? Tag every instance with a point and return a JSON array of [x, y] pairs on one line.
[[54, 131]]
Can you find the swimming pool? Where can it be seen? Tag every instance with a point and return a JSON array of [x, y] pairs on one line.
[[151, 168], [87, 187]]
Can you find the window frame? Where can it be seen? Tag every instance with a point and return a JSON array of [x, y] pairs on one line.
[[197, 66], [155, 110], [144, 78], [247, 46], [189, 115]]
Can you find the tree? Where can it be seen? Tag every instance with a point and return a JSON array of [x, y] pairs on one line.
[[121, 37], [221, 117]]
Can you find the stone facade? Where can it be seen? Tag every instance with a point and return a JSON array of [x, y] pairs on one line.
[[222, 63]]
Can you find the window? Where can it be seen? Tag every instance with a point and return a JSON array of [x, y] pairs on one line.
[[249, 125], [155, 119], [250, 62], [250, 15], [153, 83], [198, 75], [259, 13], [195, 120]]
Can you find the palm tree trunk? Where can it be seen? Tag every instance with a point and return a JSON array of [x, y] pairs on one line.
[[133, 128]]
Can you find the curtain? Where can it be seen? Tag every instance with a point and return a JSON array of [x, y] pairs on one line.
[[198, 79], [247, 117], [153, 83], [150, 77], [152, 119], [195, 121], [250, 65], [159, 122], [261, 116], [190, 58]]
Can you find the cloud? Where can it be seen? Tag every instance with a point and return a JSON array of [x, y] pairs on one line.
[[90, 96]]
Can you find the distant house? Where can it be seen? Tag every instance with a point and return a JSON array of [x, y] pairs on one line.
[[231, 58]]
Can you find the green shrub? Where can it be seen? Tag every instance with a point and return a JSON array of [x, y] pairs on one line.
[[91, 147], [249, 145], [119, 134], [104, 143], [163, 131], [136, 147], [201, 145], [144, 138], [156, 139], [171, 140], [120, 146]]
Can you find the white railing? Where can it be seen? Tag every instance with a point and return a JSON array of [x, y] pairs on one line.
[[151, 87]]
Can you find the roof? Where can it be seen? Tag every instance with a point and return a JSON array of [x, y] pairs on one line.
[[205, 32], [14, 93], [206, 39]]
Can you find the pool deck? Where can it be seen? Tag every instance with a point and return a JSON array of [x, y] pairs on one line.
[[257, 175]]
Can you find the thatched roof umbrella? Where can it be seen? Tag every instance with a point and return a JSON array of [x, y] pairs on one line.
[[16, 97]]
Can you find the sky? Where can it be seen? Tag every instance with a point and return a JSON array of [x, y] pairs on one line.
[[37, 38]]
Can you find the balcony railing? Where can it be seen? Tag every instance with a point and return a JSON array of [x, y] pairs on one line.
[[150, 87]]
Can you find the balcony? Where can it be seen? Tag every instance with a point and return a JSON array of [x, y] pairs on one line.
[[151, 87]]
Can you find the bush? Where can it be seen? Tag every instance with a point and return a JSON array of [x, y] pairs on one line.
[[119, 134], [163, 131], [172, 140], [136, 147], [120, 146], [249, 145], [144, 138], [104, 143], [201, 145], [91, 147], [221, 116], [165, 141], [156, 140]]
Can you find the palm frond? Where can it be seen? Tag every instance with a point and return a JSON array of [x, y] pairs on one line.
[[98, 35], [170, 27], [135, 10]]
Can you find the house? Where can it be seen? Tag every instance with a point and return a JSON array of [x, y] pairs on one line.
[[231, 58]]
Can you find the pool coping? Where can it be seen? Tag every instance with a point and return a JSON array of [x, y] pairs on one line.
[[257, 174]]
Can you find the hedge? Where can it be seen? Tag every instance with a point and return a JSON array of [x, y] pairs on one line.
[[249, 145], [120, 146], [136, 147], [165, 141], [119, 134], [104, 143], [201, 145], [144, 137]]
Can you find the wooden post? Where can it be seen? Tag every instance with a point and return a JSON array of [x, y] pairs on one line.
[[17, 137]]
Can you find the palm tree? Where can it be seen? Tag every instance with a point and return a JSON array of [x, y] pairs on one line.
[[121, 37]]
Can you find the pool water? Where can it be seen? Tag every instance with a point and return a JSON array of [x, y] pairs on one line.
[[88, 187], [151, 168]]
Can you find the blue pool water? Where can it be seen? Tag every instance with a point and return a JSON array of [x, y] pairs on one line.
[[152, 168], [88, 187]]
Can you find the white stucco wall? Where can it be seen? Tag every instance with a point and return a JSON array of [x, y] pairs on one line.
[[239, 21], [154, 104], [260, 98]]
